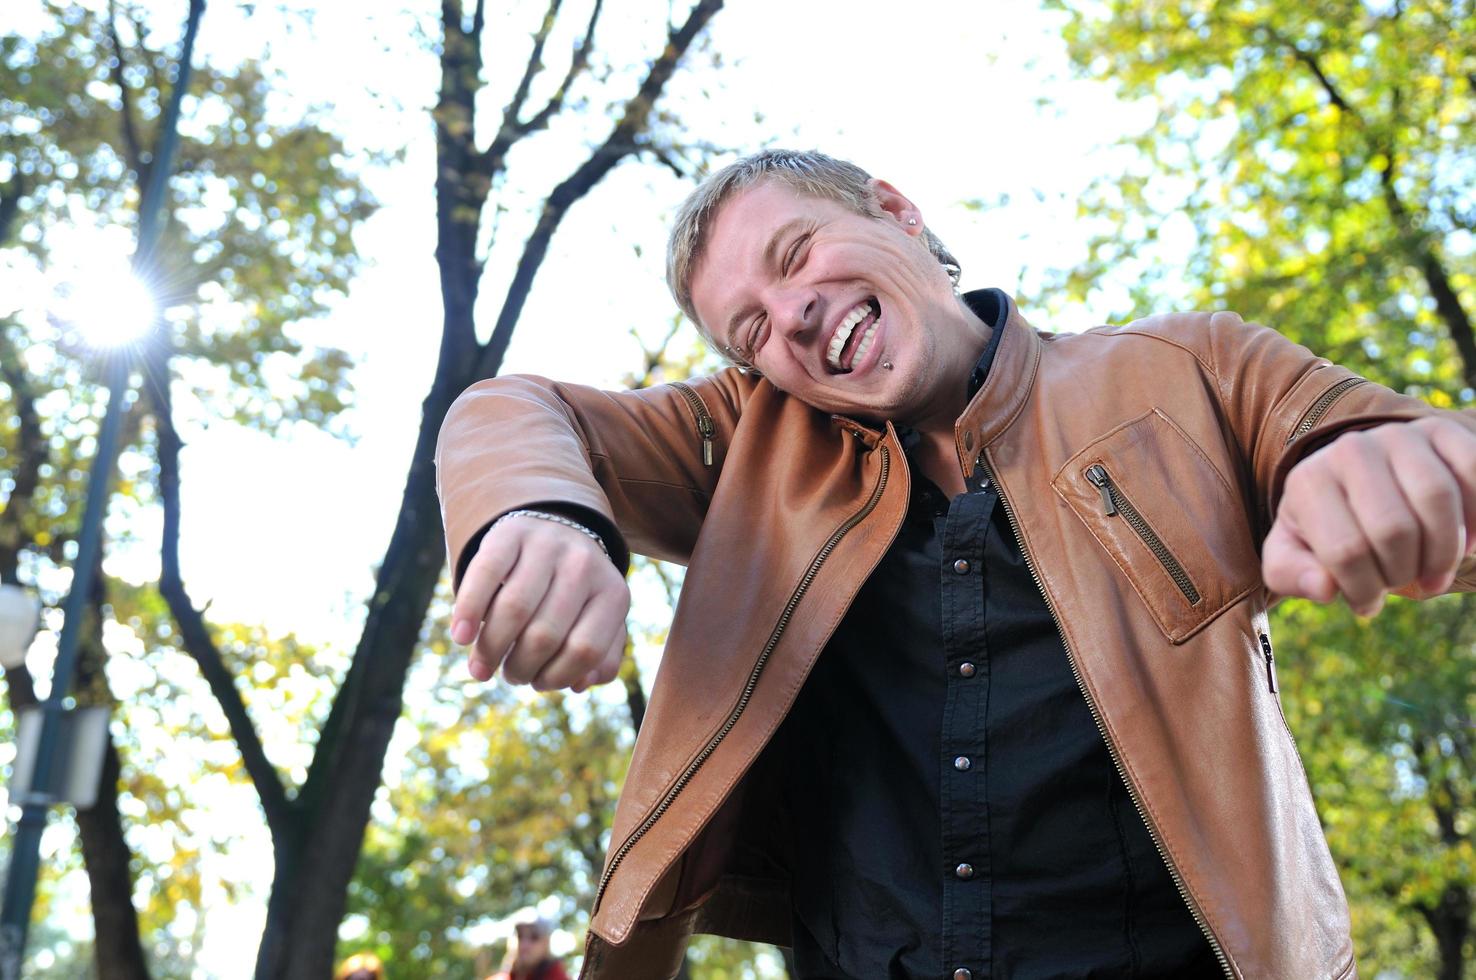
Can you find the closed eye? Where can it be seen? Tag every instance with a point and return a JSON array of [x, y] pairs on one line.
[[755, 337], [792, 256]]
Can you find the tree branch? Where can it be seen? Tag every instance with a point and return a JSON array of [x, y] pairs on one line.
[[11, 193], [534, 65], [619, 144], [1331, 90], [1422, 252], [31, 454], [131, 144], [194, 633], [577, 64]]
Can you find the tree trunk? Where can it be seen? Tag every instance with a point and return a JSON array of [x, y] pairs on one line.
[[1450, 921], [117, 950], [310, 889]]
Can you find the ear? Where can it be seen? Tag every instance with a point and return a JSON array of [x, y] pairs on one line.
[[895, 205]]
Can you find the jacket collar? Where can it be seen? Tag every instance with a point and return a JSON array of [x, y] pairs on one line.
[[1006, 388]]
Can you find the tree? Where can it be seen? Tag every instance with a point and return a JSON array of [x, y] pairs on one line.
[[1320, 152], [317, 831], [79, 125], [1310, 166]]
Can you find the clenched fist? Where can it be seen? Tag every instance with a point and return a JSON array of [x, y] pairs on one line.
[[549, 603], [1392, 508]]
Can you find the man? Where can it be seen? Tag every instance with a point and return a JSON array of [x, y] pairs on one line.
[[971, 674]]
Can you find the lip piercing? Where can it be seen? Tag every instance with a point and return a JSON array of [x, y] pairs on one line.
[[887, 365]]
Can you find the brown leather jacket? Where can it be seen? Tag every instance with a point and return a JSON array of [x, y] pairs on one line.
[[781, 512]]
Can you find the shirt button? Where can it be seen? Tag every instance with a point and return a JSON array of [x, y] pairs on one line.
[[962, 763], [961, 566], [962, 973], [966, 669], [964, 871]]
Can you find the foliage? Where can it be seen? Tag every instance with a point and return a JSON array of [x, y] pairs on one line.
[[1385, 711], [1310, 164]]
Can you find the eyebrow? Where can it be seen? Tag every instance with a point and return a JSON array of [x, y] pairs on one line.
[[770, 257]]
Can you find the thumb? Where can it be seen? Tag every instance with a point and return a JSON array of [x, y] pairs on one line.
[[1289, 567]]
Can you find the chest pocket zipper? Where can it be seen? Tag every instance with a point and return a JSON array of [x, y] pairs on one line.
[[705, 429], [1115, 503]]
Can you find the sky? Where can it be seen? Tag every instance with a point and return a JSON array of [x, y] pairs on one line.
[[953, 102]]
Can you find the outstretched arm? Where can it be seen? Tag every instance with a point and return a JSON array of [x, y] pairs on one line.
[[544, 597], [1362, 491]]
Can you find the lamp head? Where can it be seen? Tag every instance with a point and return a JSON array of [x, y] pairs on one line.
[[20, 614]]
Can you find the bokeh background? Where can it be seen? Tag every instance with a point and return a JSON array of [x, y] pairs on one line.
[[375, 204]]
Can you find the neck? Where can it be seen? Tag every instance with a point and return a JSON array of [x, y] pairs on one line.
[[961, 344]]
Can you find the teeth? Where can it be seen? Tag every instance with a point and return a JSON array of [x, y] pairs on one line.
[[865, 344], [843, 333]]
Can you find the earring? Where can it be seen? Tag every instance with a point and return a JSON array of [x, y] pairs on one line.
[[912, 221]]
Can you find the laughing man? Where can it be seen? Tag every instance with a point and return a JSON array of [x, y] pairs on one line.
[[971, 674]]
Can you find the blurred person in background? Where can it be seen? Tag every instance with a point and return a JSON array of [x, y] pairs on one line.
[[528, 956], [360, 966]]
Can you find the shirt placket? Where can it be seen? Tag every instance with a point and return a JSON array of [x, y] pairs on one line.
[[964, 763]]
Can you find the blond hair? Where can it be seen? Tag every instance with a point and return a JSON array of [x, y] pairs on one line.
[[808, 172]]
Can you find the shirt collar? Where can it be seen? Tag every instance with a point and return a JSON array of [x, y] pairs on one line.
[[993, 307]]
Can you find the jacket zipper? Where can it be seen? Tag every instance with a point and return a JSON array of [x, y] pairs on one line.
[[753, 676], [1321, 405], [1115, 502], [1112, 750], [705, 427], [1270, 662]]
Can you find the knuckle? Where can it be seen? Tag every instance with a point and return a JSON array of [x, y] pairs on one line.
[[1394, 534], [1433, 497], [1345, 554], [513, 605], [540, 638], [584, 654]]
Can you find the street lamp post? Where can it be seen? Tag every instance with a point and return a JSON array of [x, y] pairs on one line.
[[25, 853]]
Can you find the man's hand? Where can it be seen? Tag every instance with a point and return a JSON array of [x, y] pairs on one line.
[[1392, 507], [550, 604]]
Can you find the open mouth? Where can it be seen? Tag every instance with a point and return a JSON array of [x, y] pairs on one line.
[[852, 339]]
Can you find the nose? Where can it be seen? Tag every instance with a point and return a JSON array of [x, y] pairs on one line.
[[796, 310]]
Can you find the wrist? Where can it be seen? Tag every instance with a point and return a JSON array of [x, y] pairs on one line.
[[555, 519]]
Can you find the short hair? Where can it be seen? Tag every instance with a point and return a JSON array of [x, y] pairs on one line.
[[807, 172]]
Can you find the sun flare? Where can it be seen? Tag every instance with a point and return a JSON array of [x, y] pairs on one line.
[[111, 309]]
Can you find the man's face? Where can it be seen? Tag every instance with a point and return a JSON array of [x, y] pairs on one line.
[[821, 299]]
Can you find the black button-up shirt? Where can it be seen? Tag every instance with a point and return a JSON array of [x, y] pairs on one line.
[[955, 807]]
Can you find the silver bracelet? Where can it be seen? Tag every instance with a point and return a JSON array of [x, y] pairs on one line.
[[543, 516]]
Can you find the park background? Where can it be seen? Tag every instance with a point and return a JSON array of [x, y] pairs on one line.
[[375, 204]]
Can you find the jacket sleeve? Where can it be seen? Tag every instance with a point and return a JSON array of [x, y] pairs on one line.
[[633, 464], [1283, 403]]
